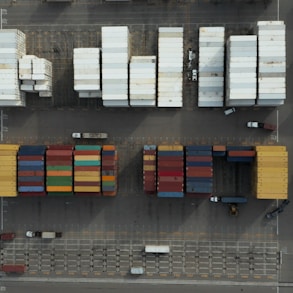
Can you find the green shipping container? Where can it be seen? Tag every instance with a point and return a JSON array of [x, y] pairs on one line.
[[108, 183], [88, 147], [87, 163], [59, 181], [59, 168]]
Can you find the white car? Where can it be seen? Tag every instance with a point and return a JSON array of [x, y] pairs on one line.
[[252, 124], [229, 111], [29, 234], [76, 135], [194, 75]]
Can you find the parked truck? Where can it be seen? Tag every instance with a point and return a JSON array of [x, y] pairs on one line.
[[229, 199], [44, 235], [255, 124], [93, 135]]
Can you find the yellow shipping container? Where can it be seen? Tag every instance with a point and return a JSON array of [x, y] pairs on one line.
[[8, 168], [149, 168], [7, 188], [273, 148], [272, 170], [8, 194], [8, 153], [87, 179], [8, 158], [266, 164], [272, 189], [9, 147], [7, 173], [87, 173], [87, 189], [8, 178], [272, 154], [273, 159], [170, 148], [149, 158], [87, 158], [7, 163], [264, 195], [272, 180]]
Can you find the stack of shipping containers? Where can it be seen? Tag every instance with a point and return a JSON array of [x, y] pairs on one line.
[[35, 75], [271, 63], [219, 150], [142, 87], [211, 67], [115, 62], [149, 169], [199, 171], [86, 68], [59, 169], [109, 170], [87, 170], [31, 170], [271, 172], [241, 70], [170, 67], [240, 154], [8, 166], [13, 47], [170, 175]]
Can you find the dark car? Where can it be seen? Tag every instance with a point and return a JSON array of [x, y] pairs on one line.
[[278, 210]]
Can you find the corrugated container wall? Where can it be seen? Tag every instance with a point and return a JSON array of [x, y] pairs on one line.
[[211, 67], [115, 62], [170, 67], [271, 63]]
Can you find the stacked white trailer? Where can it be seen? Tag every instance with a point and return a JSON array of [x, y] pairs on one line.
[[170, 67], [86, 67], [35, 75], [142, 87], [211, 67], [271, 63], [12, 47], [115, 62], [241, 70]]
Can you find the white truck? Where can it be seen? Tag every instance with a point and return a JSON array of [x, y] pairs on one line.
[[93, 135], [44, 235]]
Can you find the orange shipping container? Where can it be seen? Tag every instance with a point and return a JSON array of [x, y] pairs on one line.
[[59, 173], [59, 188], [108, 178], [109, 148]]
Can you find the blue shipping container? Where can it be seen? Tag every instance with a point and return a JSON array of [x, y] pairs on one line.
[[199, 164], [219, 154], [239, 148], [30, 168], [240, 159], [108, 153], [108, 188], [198, 148], [30, 178], [31, 189], [170, 194], [30, 163], [199, 179], [150, 147], [199, 153]]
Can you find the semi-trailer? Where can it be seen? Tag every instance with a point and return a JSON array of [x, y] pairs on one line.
[[87, 135]]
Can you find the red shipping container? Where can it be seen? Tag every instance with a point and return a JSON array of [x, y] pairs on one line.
[[199, 159], [31, 183], [30, 173], [171, 164], [30, 158], [150, 152], [169, 158], [200, 169], [241, 153], [171, 173], [86, 183], [86, 153], [170, 186], [51, 153], [170, 179], [199, 174], [149, 163], [87, 168], [149, 172], [59, 158], [59, 147], [58, 163], [32, 193], [170, 169], [108, 168]]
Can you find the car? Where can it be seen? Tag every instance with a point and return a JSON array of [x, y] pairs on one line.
[[191, 54], [229, 111], [277, 210], [194, 75], [252, 124]]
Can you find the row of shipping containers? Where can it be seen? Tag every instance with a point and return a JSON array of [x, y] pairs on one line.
[[58, 170], [199, 171], [163, 169], [271, 172]]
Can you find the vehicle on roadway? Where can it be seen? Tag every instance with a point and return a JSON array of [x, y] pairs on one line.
[[13, 268], [7, 236], [255, 124], [94, 135], [157, 249], [229, 111], [194, 75], [278, 210], [229, 199], [136, 270], [44, 235]]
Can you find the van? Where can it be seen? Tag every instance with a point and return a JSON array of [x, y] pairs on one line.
[[229, 111], [136, 270]]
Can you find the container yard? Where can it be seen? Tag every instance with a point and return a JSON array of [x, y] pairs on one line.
[[86, 64], [241, 70], [115, 59], [170, 67], [31, 171], [149, 169], [142, 91], [170, 175], [271, 63], [109, 170], [87, 170], [211, 67]]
